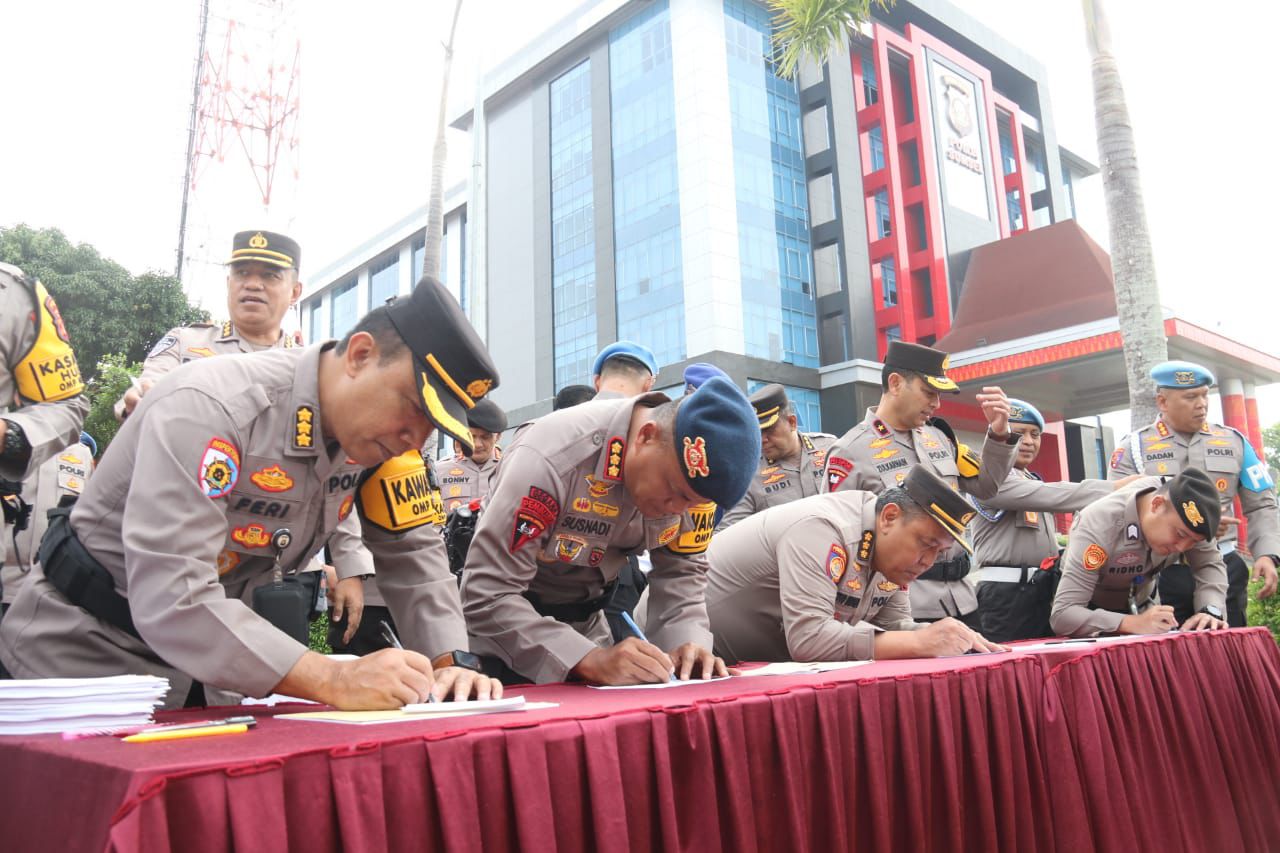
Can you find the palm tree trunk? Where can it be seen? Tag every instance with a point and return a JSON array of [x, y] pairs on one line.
[[1132, 265], [435, 206]]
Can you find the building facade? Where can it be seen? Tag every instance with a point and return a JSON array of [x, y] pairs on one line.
[[648, 175]]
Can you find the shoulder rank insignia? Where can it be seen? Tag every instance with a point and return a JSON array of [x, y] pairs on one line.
[[615, 449], [303, 426], [881, 428], [866, 545], [227, 329]]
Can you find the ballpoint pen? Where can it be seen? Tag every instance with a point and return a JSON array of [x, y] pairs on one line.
[[390, 636], [639, 635], [181, 733]]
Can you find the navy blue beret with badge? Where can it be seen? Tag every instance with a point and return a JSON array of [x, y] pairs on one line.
[[450, 362], [1182, 374], [629, 351], [1195, 500], [1022, 412], [717, 439], [698, 373]]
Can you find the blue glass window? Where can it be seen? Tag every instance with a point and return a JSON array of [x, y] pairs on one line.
[[884, 224], [875, 141], [893, 333], [779, 315], [1008, 154], [870, 86], [342, 308], [888, 283], [419, 252], [806, 402], [573, 245], [315, 332], [648, 272], [384, 280], [1038, 179], [1014, 199]]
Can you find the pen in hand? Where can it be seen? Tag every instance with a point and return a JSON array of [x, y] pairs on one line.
[[390, 636], [639, 635]]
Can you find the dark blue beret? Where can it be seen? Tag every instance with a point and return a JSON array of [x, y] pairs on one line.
[[1181, 374], [717, 439], [1022, 412], [639, 353], [698, 373]]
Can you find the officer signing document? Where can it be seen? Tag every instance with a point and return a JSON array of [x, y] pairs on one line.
[[234, 470]]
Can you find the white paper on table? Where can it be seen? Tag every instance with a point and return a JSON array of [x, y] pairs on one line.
[[475, 706], [1084, 641], [803, 667], [659, 686], [446, 709]]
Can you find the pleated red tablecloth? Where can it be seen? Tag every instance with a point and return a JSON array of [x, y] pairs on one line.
[[1166, 744]]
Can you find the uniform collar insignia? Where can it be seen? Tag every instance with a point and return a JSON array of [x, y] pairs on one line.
[[228, 330]]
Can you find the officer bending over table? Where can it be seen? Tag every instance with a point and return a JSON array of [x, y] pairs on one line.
[[577, 491], [235, 470], [825, 577], [1120, 544]]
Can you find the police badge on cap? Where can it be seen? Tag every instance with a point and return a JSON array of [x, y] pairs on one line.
[[453, 368], [1195, 500], [267, 247], [936, 497], [927, 361]]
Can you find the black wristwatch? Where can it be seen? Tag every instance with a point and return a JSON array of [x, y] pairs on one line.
[[466, 660], [17, 449], [1011, 438], [1214, 611]]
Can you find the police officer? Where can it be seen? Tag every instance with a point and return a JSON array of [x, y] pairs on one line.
[[899, 433], [825, 578], [262, 284], [1014, 535], [63, 476], [234, 471], [467, 478], [42, 406], [623, 369], [577, 491], [791, 461], [1121, 543], [1181, 437]]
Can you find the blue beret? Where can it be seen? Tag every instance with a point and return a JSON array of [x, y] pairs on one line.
[[1182, 374], [717, 439], [638, 353], [698, 373], [87, 441], [1022, 412]]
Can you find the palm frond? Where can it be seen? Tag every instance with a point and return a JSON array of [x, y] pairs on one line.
[[813, 28]]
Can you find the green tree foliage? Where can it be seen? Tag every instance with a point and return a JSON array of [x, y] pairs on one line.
[[111, 379], [1271, 445], [814, 28], [106, 308]]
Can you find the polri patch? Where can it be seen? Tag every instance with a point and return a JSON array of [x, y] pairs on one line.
[[838, 469], [537, 512], [1094, 557], [166, 343], [837, 559], [219, 468]]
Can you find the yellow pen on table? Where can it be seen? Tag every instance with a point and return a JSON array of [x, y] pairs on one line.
[[176, 734]]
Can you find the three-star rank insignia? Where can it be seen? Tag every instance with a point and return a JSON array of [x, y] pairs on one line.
[[303, 428], [837, 559], [865, 546], [613, 463], [695, 457]]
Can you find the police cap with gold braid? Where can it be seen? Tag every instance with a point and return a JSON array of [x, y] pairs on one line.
[[770, 403], [1195, 500], [450, 361], [927, 361], [267, 247], [936, 497]]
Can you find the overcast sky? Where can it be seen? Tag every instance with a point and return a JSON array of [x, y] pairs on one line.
[[97, 99]]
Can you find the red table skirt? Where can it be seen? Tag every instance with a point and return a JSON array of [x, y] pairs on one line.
[[1169, 745]]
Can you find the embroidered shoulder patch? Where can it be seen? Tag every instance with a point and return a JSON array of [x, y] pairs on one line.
[[219, 468], [1094, 557], [537, 511], [1117, 458], [838, 468], [165, 343], [837, 559]]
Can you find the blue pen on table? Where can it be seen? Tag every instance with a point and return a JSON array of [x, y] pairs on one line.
[[390, 636], [635, 629]]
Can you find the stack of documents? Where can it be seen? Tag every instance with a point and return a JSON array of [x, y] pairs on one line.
[[38, 705]]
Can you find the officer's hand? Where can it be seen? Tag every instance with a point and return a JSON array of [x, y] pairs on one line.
[[633, 661], [464, 684], [1227, 522], [330, 581], [134, 395], [1203, 622], [1265, 568], [384, 680], [1156, 619], [348, 598], [952, 637], [692, 657], [995, 406]]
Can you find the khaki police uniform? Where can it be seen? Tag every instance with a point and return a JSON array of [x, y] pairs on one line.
[[462, 481], [1013, 535], [181, 513], [1231, 463], [795, 582], [1107, 557], [784, 480], [62, 476], [556, 531], [40, 386], [192, 343], [873, 457]]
